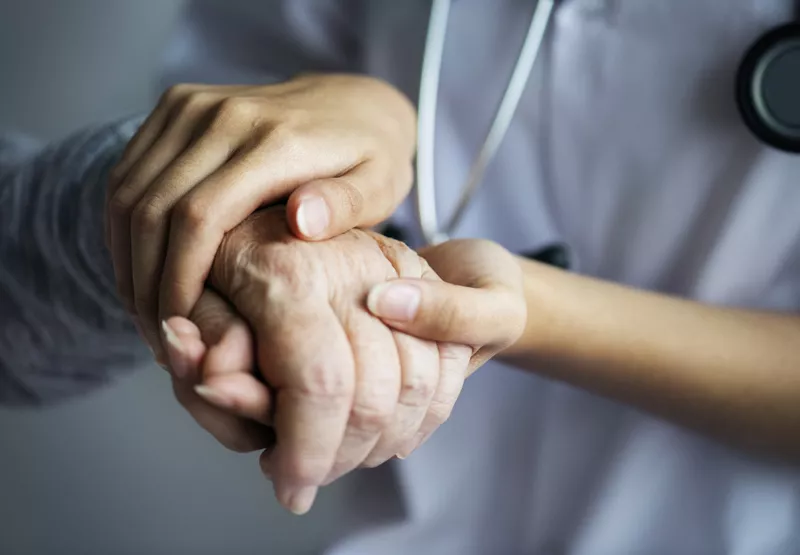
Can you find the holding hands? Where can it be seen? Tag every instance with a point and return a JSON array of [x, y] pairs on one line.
[[341, 388], [287, 329], [337, 148]]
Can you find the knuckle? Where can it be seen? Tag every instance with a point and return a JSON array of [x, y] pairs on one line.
[[439, 412], [118, 171], [281, 135], [233, 110], [371, 418], [418, 388], [351, 198], [322, 381], [176, 93], [285, 273], [194, 103], [120, 204], [193, 213], [147, 215], [194, 99], [454, 352]]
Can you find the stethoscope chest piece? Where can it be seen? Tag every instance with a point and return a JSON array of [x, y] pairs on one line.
[[768, 88]]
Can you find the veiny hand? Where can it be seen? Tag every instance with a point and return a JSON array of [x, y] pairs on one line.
[[339, 147], [346, 390], [479, 302]]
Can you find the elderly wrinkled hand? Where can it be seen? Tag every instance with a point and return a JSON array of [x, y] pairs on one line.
[[341, 389]]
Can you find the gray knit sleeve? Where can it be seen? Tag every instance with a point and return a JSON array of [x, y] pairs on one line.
[[63, 331]]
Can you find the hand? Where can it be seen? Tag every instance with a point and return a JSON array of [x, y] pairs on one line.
[[339, 147], [480, 301], [215, 347], [347, 390]]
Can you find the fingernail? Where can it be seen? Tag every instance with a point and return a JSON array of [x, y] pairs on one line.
[[313, 217], [213, 396], [175, 351], [301, 500], [394, 301]]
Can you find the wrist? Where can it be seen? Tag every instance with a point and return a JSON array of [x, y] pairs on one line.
[[542, 338]]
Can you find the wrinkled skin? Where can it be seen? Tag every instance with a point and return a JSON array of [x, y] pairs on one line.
[[338, 147], [343, 390]]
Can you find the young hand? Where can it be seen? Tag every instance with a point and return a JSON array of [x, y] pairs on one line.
[[338, 147]]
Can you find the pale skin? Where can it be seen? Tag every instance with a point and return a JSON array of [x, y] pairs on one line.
[[732, 374], [729, 373], [343, 390]]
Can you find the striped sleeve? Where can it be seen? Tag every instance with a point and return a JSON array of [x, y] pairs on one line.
[[63, 331]]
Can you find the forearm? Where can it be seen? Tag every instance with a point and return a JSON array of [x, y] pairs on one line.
[[62, 329], [732, 374]]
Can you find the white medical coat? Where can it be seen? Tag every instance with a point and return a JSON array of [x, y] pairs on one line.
[[628, 147]]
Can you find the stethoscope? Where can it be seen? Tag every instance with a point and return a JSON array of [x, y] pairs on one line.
[[767, 93]]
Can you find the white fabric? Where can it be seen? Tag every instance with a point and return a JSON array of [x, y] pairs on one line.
[[628, 147]]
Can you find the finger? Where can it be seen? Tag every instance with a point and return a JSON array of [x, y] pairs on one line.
[[378, 385], [228, 337], [440, 311], [150, 130], [454, 363], [151, 217], [227, 374], [237, 434], [303, 501], [144, 215], [420, 375], [241, 395], [305, 356], [145, 136], [125, 199], [186, 350], [252, 179], [325, 208]]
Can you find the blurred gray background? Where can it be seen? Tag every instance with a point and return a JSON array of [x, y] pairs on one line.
[[124, 471]]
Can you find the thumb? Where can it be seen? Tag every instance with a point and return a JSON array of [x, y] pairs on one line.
[[227, 336], [228, 379], [439, 311], [325, 208]]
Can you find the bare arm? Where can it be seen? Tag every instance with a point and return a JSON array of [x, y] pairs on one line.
[[732, 374]]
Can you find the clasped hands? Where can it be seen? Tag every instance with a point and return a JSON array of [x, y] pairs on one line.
[[331, 350]]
